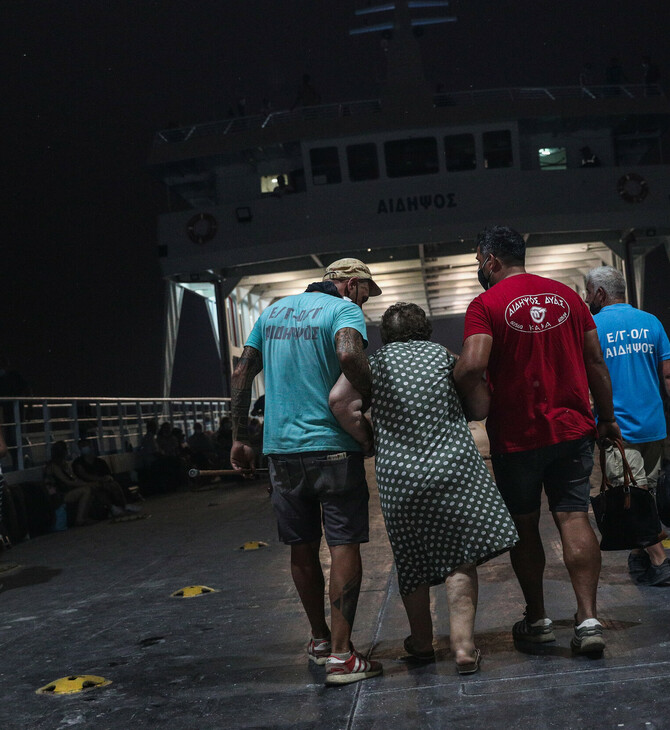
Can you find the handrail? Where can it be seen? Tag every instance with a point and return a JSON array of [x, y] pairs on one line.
[[117, 424], [374, 106], [551, 93]]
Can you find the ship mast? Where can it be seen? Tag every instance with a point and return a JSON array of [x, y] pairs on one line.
[[405, 87]]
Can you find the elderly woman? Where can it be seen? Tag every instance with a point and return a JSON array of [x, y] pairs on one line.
[[443, 512]]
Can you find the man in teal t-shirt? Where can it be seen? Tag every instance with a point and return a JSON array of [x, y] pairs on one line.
[[304, 342], [295, 337], [636, 349]]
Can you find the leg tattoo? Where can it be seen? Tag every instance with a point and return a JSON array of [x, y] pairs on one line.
[[348, 600]]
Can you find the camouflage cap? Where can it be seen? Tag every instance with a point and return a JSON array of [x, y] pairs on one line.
[[349, 268]]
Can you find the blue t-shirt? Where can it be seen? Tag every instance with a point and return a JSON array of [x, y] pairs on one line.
[[296, 336], [634, 345]]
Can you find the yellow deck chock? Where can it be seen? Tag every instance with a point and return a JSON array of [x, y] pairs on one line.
[[72, 684], [192, 592], [253, 545], [666, 543]]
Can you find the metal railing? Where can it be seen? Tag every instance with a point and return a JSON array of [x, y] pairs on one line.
[[374, 106], [261, 121], [551, 93], [117, 424]]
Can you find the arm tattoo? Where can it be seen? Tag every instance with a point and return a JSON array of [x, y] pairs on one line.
[[247, 368], [353, 360]]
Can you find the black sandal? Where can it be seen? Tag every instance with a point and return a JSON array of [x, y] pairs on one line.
[[470, 667], [417, 656]]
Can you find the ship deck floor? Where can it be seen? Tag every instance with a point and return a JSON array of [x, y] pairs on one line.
[[97, 601]]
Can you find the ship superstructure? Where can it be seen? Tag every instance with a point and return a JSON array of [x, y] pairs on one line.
[[404, 182]]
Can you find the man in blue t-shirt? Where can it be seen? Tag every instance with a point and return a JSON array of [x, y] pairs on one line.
[[636, 350], [304, 342]]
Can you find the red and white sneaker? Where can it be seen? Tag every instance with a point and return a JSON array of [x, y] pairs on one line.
[[352, 669], [318, 650]]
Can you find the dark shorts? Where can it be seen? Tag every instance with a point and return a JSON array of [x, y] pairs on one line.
[[320, 485], [563, 468]]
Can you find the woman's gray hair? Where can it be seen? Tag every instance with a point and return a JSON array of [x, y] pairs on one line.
[[609, 279], [403, 322]]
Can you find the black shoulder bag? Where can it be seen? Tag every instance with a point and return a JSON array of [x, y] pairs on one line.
[[626, 515]]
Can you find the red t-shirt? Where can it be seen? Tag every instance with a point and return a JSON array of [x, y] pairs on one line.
[[539, 388]]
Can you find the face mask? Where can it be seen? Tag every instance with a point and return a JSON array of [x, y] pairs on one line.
[[486, 283], [354, 298], [595, 306]]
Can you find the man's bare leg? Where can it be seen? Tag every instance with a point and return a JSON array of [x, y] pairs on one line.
[[308, 579], [528, 562], [346, 573], [581, 554]]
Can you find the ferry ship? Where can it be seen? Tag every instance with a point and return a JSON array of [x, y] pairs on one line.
[[405, 181]]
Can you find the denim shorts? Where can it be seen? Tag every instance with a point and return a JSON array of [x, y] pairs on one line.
[[320, 486], [563, 468]]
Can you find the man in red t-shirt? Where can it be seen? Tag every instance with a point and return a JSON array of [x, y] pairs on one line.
[[538, 341]]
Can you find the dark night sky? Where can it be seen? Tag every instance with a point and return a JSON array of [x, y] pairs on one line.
[[87, 83]]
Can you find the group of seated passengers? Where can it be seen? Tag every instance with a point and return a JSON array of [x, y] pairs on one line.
[[164, 458], [88, 485], [212, 450], [83, 482], [167, 455]]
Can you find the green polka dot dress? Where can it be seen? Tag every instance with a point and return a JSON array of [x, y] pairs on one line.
[[440, 504]]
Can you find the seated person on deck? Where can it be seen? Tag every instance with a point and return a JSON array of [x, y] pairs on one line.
[[60, 480], [92, 469]]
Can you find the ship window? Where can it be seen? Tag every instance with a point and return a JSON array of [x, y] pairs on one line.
[[459, 150], [552, 158], [405, 157], [325, 165], [270, 182], [362, 161], [497, 148]]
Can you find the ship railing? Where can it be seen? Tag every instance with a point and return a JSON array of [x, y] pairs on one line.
[[326, 111], [117, 425], [551, 93], [374, 106], [210, 129], [261, 121]]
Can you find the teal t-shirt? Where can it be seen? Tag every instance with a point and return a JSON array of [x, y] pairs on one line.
[[296, 336], [634, 345]]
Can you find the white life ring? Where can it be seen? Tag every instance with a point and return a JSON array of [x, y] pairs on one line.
[[201, 228]]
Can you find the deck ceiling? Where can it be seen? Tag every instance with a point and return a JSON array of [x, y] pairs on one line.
[[442, 285]]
